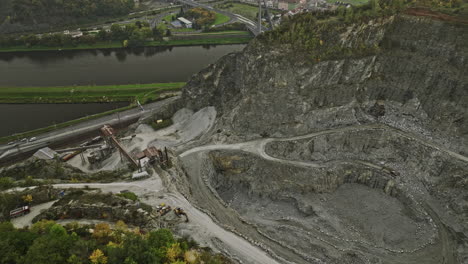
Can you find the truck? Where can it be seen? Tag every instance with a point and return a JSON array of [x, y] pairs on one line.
[[20, 211]]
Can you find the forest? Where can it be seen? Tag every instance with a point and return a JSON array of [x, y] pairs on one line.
[[45, 15], [38, 11], [47, 242]]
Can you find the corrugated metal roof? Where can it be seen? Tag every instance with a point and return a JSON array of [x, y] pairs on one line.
[[185, 21]]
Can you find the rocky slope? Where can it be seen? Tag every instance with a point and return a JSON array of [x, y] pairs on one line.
[[353, 152], [417, 77]]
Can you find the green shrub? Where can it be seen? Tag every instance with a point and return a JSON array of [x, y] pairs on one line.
[[6, 183], [128, 195]]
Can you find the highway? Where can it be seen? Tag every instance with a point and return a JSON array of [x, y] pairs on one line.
[[60, 135], [251, 25]]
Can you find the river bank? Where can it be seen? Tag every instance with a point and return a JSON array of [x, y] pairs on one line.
[[208, 39], [88, 93]]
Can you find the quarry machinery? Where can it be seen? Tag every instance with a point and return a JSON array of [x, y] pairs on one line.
[[179, 212], [108, 133]]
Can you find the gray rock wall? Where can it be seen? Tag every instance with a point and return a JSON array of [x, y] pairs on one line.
[[419, 74]]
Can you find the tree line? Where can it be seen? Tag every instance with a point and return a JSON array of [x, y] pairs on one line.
[[43, 11], [130, 35], [47, 242]]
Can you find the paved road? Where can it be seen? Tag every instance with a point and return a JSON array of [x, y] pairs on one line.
[[8, 151], [251, 25]]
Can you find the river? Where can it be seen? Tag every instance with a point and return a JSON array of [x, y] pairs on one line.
[[107, 66], [100, 67]]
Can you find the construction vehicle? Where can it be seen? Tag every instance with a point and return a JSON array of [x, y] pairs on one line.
[[163, 209], [179, 212], [20, 211]]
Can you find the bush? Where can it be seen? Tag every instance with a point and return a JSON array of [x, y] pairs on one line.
[[6, 183], [129, 195]]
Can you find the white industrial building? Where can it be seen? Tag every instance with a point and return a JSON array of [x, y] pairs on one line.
[[187, 23]]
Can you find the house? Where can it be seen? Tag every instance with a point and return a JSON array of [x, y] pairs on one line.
[[76, 34], [73, 34], [187, 23], [288, 4]]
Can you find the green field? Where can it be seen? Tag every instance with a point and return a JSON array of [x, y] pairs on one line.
[[220, 19], [247, 11], [87, 94]]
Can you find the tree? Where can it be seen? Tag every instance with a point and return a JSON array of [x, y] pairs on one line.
[[375, 7], [120, 225], [102, 233], [341, 12], [161, 238], [147, 32], [30, 40], [137, 39], [174, 252], [103, 35], [27, 198], [138, 24], [97, 257], [6, 182], [117, 32], [73, 259], [51, 248], [14, 243], [158, 33], [349, 15], [42, 226]]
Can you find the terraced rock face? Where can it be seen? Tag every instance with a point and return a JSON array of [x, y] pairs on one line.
[[354, 160]]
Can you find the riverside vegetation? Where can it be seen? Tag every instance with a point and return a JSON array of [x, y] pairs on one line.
[[144, 93], [131, 35]]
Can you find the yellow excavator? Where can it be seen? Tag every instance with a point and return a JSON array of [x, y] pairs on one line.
[[179, 212], [163, 209]]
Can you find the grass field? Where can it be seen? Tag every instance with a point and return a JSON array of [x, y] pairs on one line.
[[87, 94], [220, 19], [247, 11]]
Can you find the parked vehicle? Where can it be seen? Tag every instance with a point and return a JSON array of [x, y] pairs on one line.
[[32, 139], [24, 140], [20, 211]]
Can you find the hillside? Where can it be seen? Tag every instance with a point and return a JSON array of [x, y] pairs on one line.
[[19, 15], [340, 141]]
